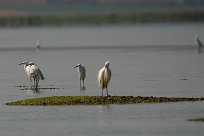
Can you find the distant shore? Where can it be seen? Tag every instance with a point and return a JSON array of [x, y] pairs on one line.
[[102, 19]]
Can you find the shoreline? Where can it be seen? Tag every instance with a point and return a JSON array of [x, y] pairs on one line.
[[102, 19]]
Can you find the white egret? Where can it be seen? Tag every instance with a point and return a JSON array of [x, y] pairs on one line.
[[104, 76], [36, 73], [82, 73], [199, 43], [27, 69]]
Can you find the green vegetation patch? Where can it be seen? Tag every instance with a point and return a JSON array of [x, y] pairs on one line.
[[197, 120], [98, 100]]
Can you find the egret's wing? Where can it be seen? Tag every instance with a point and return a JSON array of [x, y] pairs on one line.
[[101, 78], [109, 75], [34, 70], [27, 70], [40, 74], [84, 71]]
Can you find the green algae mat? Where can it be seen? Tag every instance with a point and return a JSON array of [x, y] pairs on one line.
[[197, 120], [99, 100]]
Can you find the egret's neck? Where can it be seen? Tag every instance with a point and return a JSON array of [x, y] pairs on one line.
[[25, 65], [107, 66]]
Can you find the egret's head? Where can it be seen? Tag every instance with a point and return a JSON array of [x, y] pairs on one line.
[[24, 63], [78, 65], [107, 64]]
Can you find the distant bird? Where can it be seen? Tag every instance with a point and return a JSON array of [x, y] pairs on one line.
[[38, 44], [27, 69], [104, 76], [199, 43], [36, 74], [82, 73]]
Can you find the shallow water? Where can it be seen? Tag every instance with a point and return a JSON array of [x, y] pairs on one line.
[[146, 60]]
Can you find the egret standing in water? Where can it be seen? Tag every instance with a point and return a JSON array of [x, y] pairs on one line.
[[199, 43], [104, 76], [82, 73], [33, 72], [27, 69], [36, 74]]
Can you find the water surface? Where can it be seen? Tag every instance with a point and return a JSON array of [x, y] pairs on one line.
[[146, 60]]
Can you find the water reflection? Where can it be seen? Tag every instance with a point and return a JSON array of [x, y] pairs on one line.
[[82, 91], [83, 88], [104, 115], [32, 91]]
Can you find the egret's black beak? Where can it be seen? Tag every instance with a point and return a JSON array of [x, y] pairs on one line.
[[75, 66]]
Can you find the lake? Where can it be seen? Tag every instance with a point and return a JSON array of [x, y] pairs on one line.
[[146, 60]]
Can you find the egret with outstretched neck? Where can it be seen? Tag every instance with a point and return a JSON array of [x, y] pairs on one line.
[[104, 76]]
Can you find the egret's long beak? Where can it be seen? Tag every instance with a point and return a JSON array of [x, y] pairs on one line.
[[20, 63], [75, 66]]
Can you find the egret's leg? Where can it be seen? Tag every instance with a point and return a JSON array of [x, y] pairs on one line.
[[102, 91], [83, 83], [107, 90], [37, 81], [34, 80], [36, 84], [80, 83], [30, 82]]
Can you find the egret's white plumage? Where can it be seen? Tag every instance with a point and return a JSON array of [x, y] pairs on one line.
[[36, 73], [104, 76], [199, 43], [33, 71], [82, 73]]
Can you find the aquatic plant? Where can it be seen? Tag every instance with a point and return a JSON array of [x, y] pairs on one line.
[[197, 120], [99, 100]]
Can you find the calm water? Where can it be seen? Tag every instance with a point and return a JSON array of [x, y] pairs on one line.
[[146, 60]]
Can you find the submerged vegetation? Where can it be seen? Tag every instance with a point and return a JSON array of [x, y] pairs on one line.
[[98, 100]]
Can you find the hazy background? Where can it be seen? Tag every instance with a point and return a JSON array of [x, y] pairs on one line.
[[152, 52], [84, 7]]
